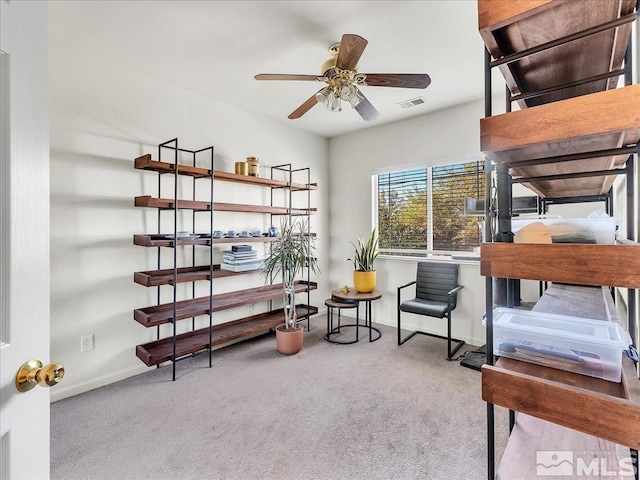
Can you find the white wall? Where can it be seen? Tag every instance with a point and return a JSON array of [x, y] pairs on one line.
[[102, 117], [429, 139], [443, 135]]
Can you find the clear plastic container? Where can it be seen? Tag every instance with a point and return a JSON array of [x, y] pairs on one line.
[[581, 345], [600, 230]]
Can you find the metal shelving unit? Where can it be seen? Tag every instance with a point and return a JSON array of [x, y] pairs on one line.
[[574, 133], [178, 346]]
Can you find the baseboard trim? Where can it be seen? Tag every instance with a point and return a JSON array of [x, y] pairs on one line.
[[58, 393]]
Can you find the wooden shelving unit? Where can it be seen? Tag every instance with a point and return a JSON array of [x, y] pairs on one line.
[[174, 347], [574, 132]]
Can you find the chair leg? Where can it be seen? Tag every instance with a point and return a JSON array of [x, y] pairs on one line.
[[451, 353], [399, 334], [403, 340], [448, 338]]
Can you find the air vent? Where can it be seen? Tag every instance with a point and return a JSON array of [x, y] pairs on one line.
[[413, 102]]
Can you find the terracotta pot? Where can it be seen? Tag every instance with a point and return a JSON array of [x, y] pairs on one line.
[[364, 282], [289, 342]]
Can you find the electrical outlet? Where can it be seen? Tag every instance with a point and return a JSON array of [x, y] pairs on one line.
[[86, 343]]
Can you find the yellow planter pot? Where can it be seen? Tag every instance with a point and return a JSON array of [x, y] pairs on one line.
[[364, 282]]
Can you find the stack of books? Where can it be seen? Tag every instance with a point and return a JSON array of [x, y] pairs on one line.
[[241, 258]]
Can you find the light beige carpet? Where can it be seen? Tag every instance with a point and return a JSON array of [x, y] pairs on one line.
[[361, 411]]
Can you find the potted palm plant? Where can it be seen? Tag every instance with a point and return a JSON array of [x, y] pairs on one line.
[[287, 256], [364, 274]]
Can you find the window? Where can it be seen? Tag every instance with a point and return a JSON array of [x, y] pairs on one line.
[[421, 210]]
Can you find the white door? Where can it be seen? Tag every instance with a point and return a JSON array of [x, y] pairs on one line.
[[24, 235]]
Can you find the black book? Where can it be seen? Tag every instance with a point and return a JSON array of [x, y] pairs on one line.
[[241, 248]]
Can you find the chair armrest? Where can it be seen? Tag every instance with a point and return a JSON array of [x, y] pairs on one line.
[[455, 290], [406, 285], [398, 300], [452, 296]]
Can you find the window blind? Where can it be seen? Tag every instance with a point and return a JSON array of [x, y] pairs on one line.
[[453, 231]]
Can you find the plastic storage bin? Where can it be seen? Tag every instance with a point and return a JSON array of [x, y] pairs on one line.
[[581, 345], [601, 230]]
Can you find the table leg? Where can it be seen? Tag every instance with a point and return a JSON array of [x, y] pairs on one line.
[[357, 323], [328, 318], [369, 320]]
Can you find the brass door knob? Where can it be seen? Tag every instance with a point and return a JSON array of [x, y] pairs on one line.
[[32, 373]]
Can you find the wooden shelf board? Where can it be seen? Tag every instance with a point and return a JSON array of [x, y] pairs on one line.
[[261, 239], [260, 181], [582, 264], [573, 187], [153, 278], [591, 122], [235, 207], [146, 163], [168, 203], [512, 27], [564, 398], [600, 121], [159, 314], [161, 350], [160, 240]]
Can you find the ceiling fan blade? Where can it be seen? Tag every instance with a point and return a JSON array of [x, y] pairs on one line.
[[278, 76], [304, 108], [404, 80], [351, 48], [365, 109]]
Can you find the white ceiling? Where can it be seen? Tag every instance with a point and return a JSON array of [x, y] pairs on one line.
[[215, 48]]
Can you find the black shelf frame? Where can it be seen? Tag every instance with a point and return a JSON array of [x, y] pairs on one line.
[[504, 189], [173, 149], [292, 174]]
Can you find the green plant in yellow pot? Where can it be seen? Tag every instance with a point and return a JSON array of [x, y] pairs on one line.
[[366, 252]]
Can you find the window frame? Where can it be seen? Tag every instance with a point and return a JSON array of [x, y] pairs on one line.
[[429, 252]]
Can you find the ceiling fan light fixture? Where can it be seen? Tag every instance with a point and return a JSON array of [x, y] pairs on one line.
[[335, 105], [355, 100], [346, 91], [323, 96]]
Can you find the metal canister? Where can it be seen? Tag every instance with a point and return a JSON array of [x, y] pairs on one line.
[[242, 168], [254, 166]]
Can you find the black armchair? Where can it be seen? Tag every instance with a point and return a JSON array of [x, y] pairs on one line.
[[436, 296]]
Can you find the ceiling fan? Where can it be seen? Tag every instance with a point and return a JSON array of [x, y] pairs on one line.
[[343, 80]]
